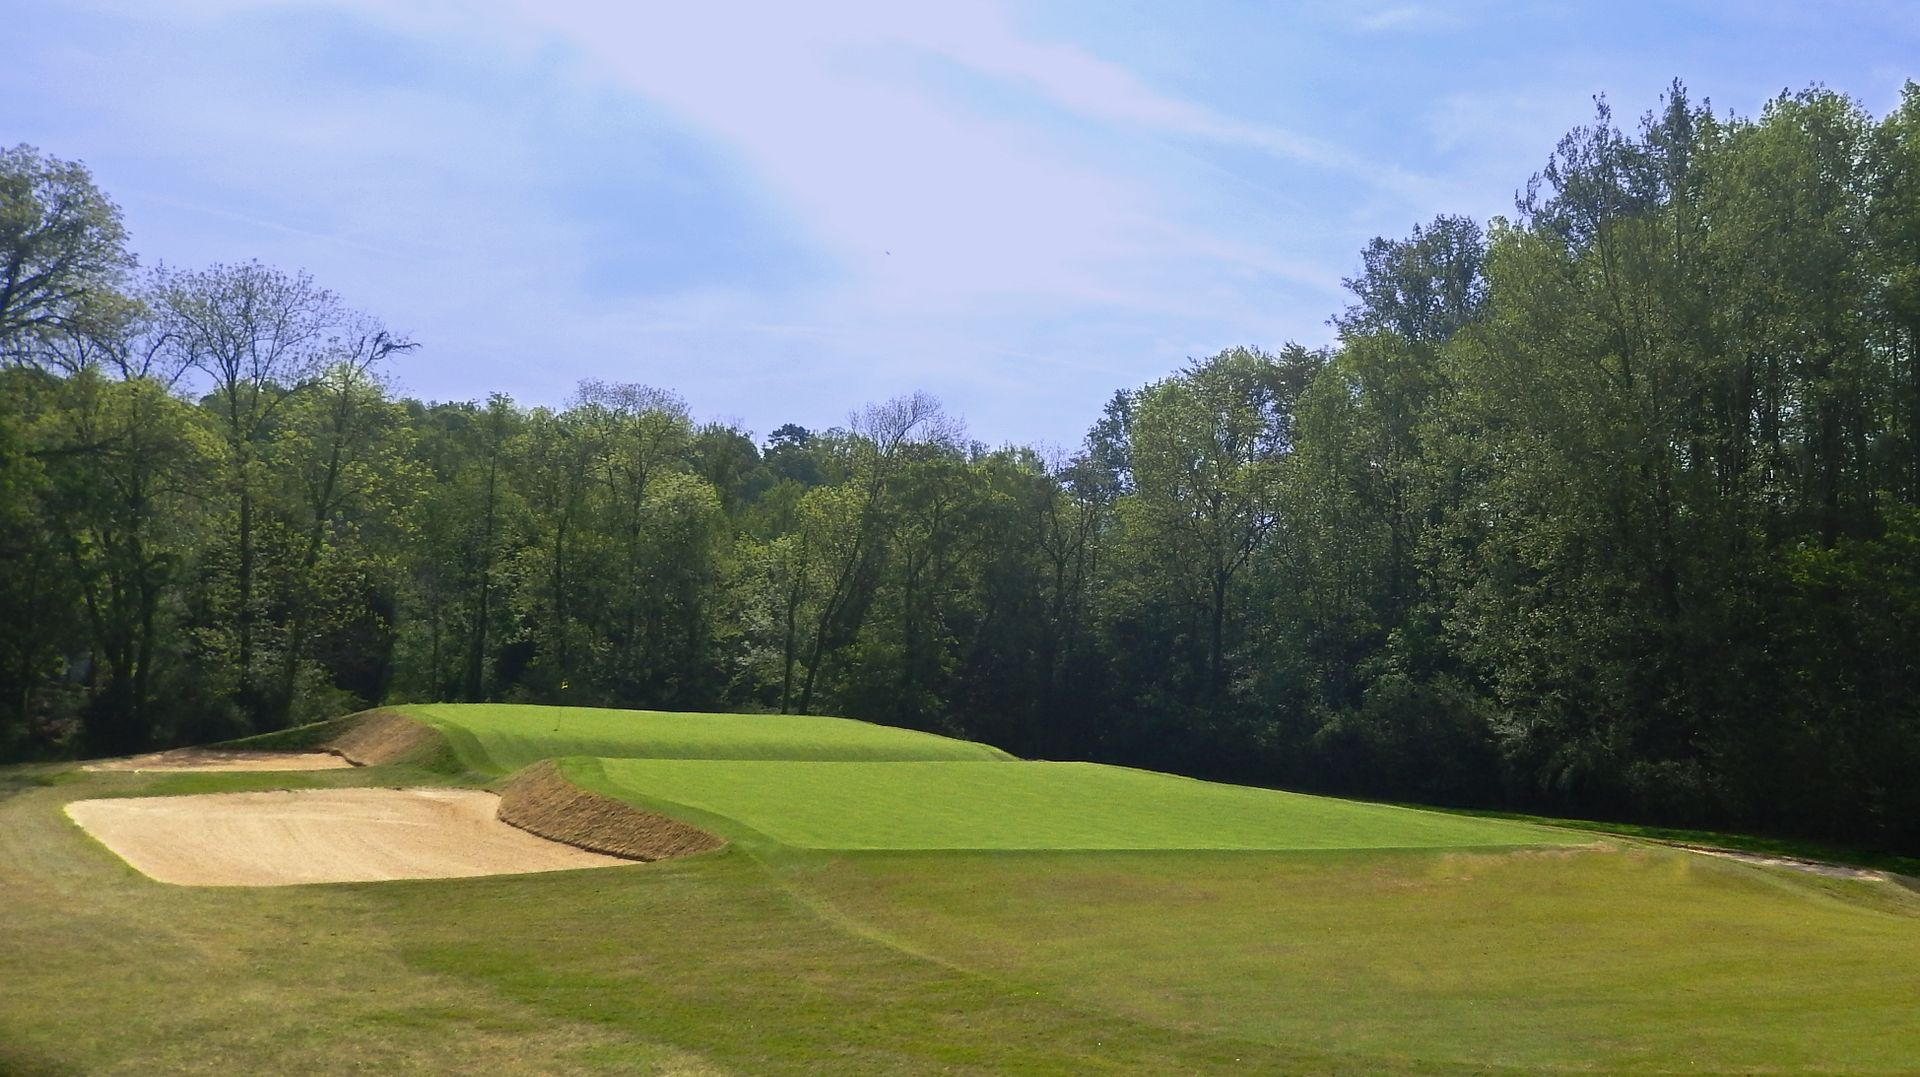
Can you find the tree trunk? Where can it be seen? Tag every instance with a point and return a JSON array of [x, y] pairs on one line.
[[243, 685], [476, 655]]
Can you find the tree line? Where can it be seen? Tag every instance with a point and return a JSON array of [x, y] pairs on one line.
[[1611, 507]]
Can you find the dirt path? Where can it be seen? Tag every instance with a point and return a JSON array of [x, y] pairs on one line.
[[321, 836], [222, 759]]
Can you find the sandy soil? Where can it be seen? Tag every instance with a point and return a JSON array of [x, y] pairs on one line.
[[1792, 863], [219, 759], [321, 836]]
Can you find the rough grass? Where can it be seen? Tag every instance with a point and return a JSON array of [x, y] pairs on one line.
[[1026, 805], [500, 737]]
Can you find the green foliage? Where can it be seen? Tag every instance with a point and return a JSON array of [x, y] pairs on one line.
[[1601, 509], [63, 260]]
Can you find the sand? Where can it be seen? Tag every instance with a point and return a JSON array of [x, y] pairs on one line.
[[321, 836], [223, 759], [1791, 863]]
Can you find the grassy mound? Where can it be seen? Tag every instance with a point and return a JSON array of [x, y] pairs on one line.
[[369, 738], [503, 737], [1030, 805]]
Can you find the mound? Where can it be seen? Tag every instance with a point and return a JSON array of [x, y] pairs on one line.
[[321, 836], [383, 736], [541, 801], [223, 759]]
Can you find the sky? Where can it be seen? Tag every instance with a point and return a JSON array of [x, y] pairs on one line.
[[783, 211]]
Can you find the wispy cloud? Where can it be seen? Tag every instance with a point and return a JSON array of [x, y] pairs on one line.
[[784, 209], [1407, 16]]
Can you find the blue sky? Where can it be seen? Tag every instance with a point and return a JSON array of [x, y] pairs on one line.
[[783, 211]]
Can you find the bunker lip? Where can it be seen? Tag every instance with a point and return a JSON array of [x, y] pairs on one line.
[[540, 800], [374, 737], [223, 760], [321, 836]]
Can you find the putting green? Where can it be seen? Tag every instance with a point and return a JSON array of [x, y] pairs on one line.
[[501, 737], [1026, 805]]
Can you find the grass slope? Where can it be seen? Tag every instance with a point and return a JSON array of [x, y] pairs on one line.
[[1026, 805], [501, 737]]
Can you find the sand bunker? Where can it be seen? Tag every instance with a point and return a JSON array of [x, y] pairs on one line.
[[321, 836], [223, 759]]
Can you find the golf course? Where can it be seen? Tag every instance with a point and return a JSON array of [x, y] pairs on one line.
[[830, 896]]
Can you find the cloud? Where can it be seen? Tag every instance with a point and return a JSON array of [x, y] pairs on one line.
[[780, 210], [1406, 17]]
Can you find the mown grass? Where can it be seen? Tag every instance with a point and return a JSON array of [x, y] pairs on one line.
[[773, 957], [1025, 805], [1615, 959], [711, 965], [501, 737]]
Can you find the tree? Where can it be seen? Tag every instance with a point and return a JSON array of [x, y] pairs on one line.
[[1205, 449], [342, 449], [261, 338], [881, 433], [1424, 288], [1893, 167], [63, 258], [126, 462]]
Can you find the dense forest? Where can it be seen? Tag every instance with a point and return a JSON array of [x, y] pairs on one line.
[[1611, 507]]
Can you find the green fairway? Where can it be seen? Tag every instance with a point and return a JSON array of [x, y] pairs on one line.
[[500, 737], [938, 916], [710, 966], [1028, 805], [1608, 959]]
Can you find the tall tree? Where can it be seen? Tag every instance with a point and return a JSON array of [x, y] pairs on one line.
[[881, 435], [341, 447], [260, 337], [63, 257], [1205, 449], [1424, 288]]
